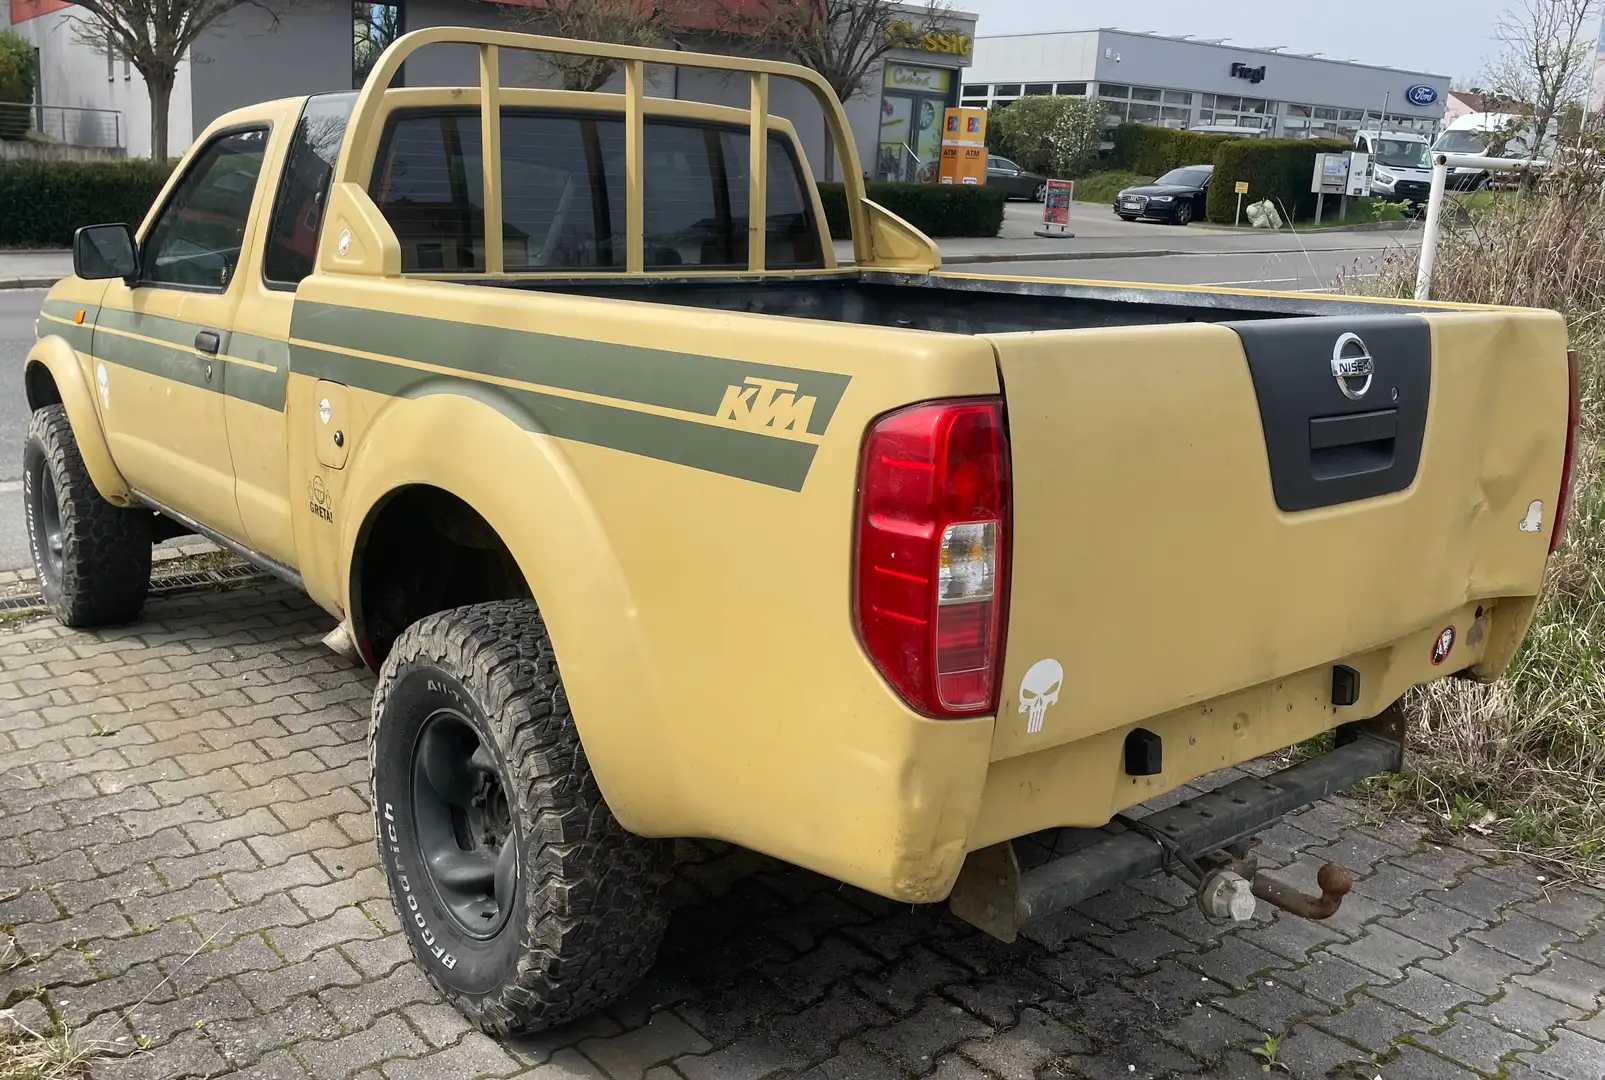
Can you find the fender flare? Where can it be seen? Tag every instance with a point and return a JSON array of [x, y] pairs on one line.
[[67, 371], [480, 447]]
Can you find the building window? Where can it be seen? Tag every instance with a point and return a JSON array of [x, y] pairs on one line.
[[1038, 89], [111, 58], [1112, 90], [373, 28], [972, 90], [1224, 111], [1075, 89], [1178, 97], [1007, 90]]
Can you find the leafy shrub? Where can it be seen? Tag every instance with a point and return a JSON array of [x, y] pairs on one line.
[[1053, 134], [17, 78], [1143, 148], [43, 202], [934, 209], [1102, 187], [1276, 169]]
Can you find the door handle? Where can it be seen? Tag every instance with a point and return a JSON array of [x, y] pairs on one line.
[[208, 342]]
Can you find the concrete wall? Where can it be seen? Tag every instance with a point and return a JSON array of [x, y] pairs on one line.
[[28, 150], [73, 74]]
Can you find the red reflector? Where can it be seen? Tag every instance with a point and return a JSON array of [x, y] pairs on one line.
[[932, 553], [1573, 408]]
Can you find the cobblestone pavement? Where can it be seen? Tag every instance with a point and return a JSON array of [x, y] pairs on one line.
[[186, 862]]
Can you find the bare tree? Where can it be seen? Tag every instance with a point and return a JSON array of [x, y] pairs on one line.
[[154, 35], [373, 28], [1545, 60], [845, 41], [618, 22]]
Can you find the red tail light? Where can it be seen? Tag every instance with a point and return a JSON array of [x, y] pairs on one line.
[[932, 560], [1573, 406]]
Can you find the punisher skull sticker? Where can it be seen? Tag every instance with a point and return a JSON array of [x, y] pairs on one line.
[[1534, 520], [1039, 689], [1442, 644]]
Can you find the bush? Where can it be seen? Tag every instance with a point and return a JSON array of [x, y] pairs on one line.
[[1053, 134], [43, 202], [1151, 150], [1276, 169], [1523, 759], [934, 209], [1102, 187], [17, 77]]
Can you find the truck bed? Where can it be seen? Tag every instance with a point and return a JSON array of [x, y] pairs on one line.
[[955, 304]]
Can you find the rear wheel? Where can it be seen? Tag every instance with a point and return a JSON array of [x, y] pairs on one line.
[[92, 558], [523, 898], [1041, 193]]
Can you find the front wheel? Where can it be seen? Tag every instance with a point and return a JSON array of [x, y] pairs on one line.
[[1184, 213], [92, 558], [523, 898]]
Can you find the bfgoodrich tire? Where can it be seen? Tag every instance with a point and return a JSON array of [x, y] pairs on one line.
[[523, 898], [92, 558]]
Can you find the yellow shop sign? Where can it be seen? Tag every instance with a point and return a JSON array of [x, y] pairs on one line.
[[904, 36]]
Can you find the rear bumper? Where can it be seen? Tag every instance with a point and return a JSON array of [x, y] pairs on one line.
[[995, 894]]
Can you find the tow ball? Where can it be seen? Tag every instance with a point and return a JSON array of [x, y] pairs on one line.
[[1227, 888]]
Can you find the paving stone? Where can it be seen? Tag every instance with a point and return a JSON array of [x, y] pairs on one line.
[[855, 1061], [1207, 1033], [923, 1036], [818, 1030], [751, 1058], [1569, 980], [1570, 1057], [1413, 1063], [321, 972], [388, 1038], [1474, 1042], [188, 1055], [901, 985], [1577, 908], [347, 924], [1309, 1052], [1017, 1053], [1290, 936], [1383, 951], [1526, 1012], [1522, 936], [629, 1055], [353, 1002], [279, 1065], [157, 1022], [1236, 963], [1271, 1006], [1394, 886], [247, 1042], [1478, 894], [440, 1024], [1435, 924], [570, 1065], [1477, 967], [1426, 995], [476, 1055], [1370, 1023]]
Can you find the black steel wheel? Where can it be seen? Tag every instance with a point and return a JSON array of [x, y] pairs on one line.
[[524, 900], [92, 558]]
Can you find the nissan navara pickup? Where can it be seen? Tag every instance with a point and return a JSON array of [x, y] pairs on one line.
[[655, 520]]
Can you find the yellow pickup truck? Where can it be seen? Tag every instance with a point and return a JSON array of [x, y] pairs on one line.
[[655, 521]]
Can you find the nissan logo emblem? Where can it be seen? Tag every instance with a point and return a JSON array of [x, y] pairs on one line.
[[1352, 366]]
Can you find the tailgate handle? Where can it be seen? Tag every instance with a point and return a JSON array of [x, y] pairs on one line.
[[1354, 444]]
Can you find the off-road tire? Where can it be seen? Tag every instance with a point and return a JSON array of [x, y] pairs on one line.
[[588, 908], [102, 573]]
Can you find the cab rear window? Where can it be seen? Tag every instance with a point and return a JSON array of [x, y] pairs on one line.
[[563, 199]]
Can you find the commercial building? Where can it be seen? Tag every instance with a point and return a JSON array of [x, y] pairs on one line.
[[324, 45], [1183, 82]]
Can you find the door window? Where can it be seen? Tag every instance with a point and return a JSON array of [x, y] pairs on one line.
[[196, 240]]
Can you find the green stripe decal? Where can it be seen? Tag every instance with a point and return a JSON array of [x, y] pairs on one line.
[[77, 335], [688, 382], [763, 459]]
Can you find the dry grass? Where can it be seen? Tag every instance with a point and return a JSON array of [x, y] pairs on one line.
[[35, 1050], [1523, 761]]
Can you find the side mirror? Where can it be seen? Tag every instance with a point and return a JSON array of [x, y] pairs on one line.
[[105, 251]]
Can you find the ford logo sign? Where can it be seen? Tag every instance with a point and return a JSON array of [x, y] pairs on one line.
[[1422, 94]]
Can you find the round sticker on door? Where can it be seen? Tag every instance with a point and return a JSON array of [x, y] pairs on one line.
[[1442, 645]]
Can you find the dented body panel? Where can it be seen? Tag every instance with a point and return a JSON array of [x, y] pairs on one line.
[[671, 458]]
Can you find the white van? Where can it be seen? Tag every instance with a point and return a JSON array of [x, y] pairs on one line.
[[1472, 133], [1400, 168]]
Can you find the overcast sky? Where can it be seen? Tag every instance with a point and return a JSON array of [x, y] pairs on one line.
[[1444, 37]]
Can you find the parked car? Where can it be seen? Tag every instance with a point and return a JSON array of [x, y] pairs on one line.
[[870, 569], [1177, 197], [1017, 183]]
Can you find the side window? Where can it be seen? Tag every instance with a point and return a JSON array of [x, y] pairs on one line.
[[429, 186], [562, 192], [292, 240], [196, 240], [790, 240]]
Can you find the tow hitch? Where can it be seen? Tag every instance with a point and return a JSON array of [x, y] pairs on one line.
[[1205, 839]]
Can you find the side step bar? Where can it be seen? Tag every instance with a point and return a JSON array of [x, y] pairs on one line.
[[994, 895]]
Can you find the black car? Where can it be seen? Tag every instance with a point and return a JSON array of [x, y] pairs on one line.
[[1177, 197], [1017, 183]]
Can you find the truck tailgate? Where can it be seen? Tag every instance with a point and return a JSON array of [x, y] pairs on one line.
[[1200, 509]]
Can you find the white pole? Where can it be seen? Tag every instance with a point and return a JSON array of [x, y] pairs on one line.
[[1429, 231]]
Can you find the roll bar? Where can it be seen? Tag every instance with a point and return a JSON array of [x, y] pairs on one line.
[[633, 58]]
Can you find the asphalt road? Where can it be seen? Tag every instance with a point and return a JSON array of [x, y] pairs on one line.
[[1215, 263]]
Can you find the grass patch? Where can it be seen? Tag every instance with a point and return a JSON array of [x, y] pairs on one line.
[[1362, 211], [1104, 186], [1522, 761]]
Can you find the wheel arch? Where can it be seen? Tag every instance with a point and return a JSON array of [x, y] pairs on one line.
[[53, 374], [524, 490]]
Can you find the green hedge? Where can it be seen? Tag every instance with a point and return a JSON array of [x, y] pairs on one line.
[[934, 209], [1276, 169], [43, 202], [1154, 150]]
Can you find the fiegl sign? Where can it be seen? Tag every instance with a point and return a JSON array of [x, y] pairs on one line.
[[1421, 94]]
